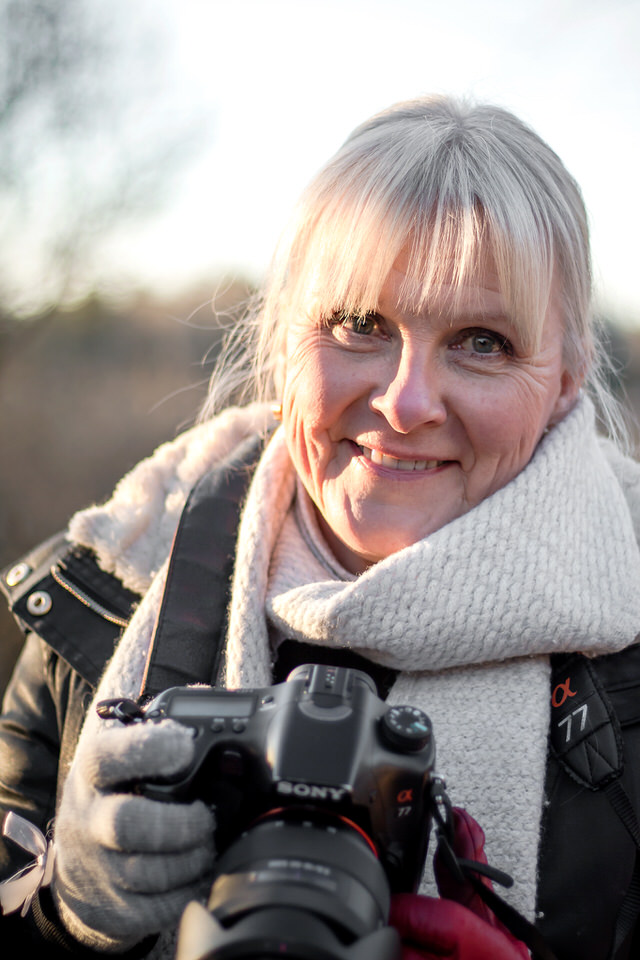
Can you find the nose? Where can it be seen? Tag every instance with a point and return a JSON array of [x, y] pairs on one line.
[[413, 395]]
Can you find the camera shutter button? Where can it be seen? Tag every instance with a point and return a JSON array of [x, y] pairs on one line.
[[406, 728]]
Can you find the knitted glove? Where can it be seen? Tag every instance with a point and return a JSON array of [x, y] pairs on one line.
[[126, 866], [459, 926]]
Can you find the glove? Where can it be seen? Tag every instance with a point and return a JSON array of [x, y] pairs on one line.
[[468, 844], [126, 866], [432, 929], [459, 926]]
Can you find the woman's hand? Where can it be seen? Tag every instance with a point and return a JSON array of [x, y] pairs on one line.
[[459, 926], [126, 866], [433, 929]]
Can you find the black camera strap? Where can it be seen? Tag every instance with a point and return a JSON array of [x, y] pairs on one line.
[[586, 739], [188, 640]]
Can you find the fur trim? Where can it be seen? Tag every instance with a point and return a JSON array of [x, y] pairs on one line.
[[132, 532]]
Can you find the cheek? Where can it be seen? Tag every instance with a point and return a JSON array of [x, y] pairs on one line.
[[505, 427], [305, 392], [318, 384], [306, 411]]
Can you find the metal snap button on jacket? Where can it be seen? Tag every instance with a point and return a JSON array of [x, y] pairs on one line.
[[39, 603], [17, 574]]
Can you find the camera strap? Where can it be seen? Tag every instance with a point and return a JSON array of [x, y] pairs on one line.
[[189, 635], [586, 739]]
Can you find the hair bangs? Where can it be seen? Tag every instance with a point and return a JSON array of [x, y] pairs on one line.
[[454, 212], [470, 234], [345, 253]]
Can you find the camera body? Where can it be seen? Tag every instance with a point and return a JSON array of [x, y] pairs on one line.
[[323, 797], [322, 746]]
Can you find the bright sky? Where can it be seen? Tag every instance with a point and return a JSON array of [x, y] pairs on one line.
[[288, 81]]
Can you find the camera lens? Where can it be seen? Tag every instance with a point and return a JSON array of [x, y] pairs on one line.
[[296, 888]]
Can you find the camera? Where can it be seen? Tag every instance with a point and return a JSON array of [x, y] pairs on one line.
[[322, 795]]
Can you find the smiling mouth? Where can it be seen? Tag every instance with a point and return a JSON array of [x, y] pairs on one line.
[[384, 460]]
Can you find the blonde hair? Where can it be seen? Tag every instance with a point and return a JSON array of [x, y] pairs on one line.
[[453, 183]]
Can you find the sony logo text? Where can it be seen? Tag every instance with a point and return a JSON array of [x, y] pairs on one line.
[[310, 791]]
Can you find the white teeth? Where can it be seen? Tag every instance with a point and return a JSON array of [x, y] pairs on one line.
[[384, 460]]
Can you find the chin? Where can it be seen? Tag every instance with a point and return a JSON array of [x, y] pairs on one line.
[[395, 540], [384, 547]]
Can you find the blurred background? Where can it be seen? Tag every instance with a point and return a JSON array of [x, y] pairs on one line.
[[151, 151]]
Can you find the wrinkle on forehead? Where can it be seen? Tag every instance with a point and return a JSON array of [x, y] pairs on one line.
[[481, 290]]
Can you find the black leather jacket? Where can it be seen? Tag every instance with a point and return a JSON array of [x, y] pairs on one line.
[[73, 615]]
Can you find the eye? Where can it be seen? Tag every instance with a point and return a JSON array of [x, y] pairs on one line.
[[363, 324], [483, 343], [357, 329]]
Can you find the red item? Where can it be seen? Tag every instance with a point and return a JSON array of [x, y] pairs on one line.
[[459, 925]]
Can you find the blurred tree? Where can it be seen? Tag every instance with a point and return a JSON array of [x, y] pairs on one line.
[[94, 126]]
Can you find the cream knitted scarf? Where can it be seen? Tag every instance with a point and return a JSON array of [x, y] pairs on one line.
[[549, 563]]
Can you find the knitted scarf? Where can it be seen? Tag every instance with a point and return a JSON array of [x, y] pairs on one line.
[[549, 563]]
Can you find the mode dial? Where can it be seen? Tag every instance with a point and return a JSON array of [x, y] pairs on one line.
[[406, 728]]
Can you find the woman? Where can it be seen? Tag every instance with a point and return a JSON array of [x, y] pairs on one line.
[[435, 501]]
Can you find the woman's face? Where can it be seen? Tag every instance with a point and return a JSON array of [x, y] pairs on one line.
[[398, 423]]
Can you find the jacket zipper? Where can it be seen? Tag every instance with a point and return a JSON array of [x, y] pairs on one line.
[[87, 600]]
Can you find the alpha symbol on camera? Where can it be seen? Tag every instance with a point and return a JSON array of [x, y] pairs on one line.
[[562, 692], [405, 796]]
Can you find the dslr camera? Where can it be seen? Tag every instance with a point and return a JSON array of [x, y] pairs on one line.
[[323, 797]]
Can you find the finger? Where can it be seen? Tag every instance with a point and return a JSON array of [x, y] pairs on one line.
[[139, 752], [469, 838], [160, 873], [138, 825], [468, 843], [416, 919]]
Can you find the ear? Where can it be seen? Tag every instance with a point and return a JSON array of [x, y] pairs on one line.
[[570, 385]]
